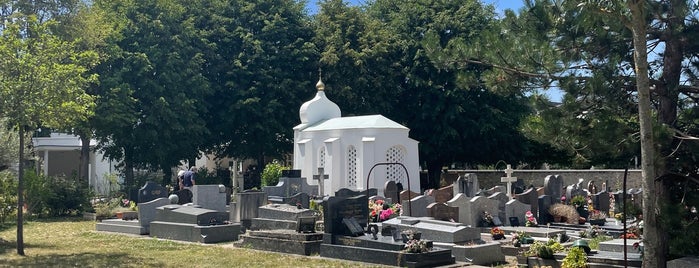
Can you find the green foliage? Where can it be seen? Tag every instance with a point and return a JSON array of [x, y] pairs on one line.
[[595, 240], [544, 250], [578, 201], [272, 173], [576, 258], [8, 195], [55, 196], [218, 176]]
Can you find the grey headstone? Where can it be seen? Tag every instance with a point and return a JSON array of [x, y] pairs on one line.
[[418, 206], [146, 211], [151, 191], [462, 202], [466, 183], [515, 208], [496, 189], [441, 211], [545, 201], [573, 191], [477, 206], [209, 197], [407, 195], [444, 194], [435, 230], [248, 204], [529, 197], [553, 186], [502, 199], [601, 201], [390, 191], [289, 186]]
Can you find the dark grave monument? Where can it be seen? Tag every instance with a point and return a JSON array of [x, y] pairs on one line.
[[151, 191], [390, 191], [246, 208], [348, 236], [284, 228], [188, 223]]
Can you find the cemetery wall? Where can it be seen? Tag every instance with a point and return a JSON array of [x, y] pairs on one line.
[[613, 177]]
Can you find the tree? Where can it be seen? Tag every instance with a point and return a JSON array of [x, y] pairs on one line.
[[42, 84], [151, 113], [595, 51], [260, 65], [452, 112]]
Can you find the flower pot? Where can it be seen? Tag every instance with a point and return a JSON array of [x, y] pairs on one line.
[[598, 222], [119, 215]]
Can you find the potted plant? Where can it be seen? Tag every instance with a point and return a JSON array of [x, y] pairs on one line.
[[576, 258], [497, 233], [580, 205], [597, 218]]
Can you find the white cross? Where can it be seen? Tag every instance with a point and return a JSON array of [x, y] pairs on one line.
[[320, 178], [509, 179]]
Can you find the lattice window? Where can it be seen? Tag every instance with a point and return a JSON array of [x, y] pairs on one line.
[[352, 167], [321, 158], [395, 154]]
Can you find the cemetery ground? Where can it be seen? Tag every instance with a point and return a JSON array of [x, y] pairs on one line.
[[73, 242]]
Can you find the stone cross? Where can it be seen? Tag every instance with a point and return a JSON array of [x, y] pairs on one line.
[[321, 177], [509, 180]]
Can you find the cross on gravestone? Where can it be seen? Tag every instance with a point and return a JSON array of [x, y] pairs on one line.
[[509, 180], [321, 177]]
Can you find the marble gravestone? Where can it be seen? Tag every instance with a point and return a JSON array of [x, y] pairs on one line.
[[516, 209], [553, 186], [529, 197], [151, 191], [466, 183], [417, 207]]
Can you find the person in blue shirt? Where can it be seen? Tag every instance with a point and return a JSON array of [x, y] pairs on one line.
[[188, 178]]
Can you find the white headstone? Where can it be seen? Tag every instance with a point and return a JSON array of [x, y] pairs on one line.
[[508, 179]]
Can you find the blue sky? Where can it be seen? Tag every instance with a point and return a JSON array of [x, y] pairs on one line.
[[500, 5]]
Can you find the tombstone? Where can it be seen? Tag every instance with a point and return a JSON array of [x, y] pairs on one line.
[[517, 209], [344, 192], [591, 187], [289, 184], [301, 199], [553, 186], [466, 183], [518, 187], [338, 208], [529, 197], [247, 207], [209, 196], [544, 202], [573, 191], [476, 208], [496, 189], [184, 196], [601, 201], [390, 191], [151, 191], [407, 195], [444, 194], [508, 179], [442, 212], [417, 207], [321, 177], [502, 199], [461, 201], [146, 211]]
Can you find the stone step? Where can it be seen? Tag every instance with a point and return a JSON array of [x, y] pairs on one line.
[[122, 226]]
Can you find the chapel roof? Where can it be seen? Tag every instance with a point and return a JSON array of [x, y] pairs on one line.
[[355, 122]]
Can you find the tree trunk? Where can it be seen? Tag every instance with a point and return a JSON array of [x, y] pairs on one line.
[[653, 255], [434, 174], [20, 195], [84, 169]]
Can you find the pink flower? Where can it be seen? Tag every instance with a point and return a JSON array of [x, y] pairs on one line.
[[385, 214]]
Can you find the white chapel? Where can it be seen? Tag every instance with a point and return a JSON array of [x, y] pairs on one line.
[[346, 148]]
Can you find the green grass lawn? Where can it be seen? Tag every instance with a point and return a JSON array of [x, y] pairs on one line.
[[72, 242]]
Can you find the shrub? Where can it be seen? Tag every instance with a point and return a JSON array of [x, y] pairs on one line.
[[8, 196], [66, 197], [576, 258], [272, 173], [566, 211]]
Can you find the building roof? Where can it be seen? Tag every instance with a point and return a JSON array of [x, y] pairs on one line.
[[355, 122]]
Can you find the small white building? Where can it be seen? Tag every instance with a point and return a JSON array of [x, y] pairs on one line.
[[59, 155], [348, 147]]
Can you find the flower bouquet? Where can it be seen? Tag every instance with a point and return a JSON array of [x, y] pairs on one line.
[[531, 221], [497, 233]]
